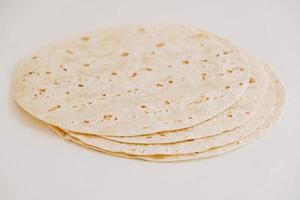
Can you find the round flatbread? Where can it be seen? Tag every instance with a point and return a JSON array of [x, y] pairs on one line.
[[189, 146], [132, 80], [215, 150], [233, 117]]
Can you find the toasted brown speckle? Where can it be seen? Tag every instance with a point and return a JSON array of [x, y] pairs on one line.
[[114, 73], [54, 108], [134, 74], [251, 80], [69, 51], [34, 57], [159, 85], [159, 45], [185, 62], [42, 90], [80, 85], [125, 54], [167, 102], [107, 117], [227, 87], [85, 38], [141, 30]]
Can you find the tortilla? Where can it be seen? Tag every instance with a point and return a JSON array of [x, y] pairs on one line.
[[233, 117], [213, 151], [188, 146], [132, 80], [280, 99]]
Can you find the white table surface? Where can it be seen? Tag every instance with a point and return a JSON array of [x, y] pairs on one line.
[[35, 164]]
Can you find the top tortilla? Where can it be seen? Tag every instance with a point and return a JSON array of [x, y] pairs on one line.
[[235, 116], [132, 80]]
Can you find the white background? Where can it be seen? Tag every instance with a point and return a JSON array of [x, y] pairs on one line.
[[35, 164]]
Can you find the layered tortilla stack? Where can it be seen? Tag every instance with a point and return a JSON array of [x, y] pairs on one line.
[[155, 92]]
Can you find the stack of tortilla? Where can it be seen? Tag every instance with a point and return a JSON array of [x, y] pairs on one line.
[[155, 92]]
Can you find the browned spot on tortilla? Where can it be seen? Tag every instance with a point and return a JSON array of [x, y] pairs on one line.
[[247, 113], [170, 81], [124, 54], [114, 73], [159, 45], [167, 102], [80, 85], [205, 60], [200, 35], [47, 72], [69, 51], [141, 30], [107, 117], [86, 121], [159, 85], [227, 87], [54, 108], [142, 106], [34, 57], [85, 38], [251, 80], [86, 65], [134, 74], [203, 76], [241, 84], [229, 114], [67, 92], [148, 69], [227, 52], [42, 90], [29, 73], [190, 117], [104, 95], [185, 62]]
